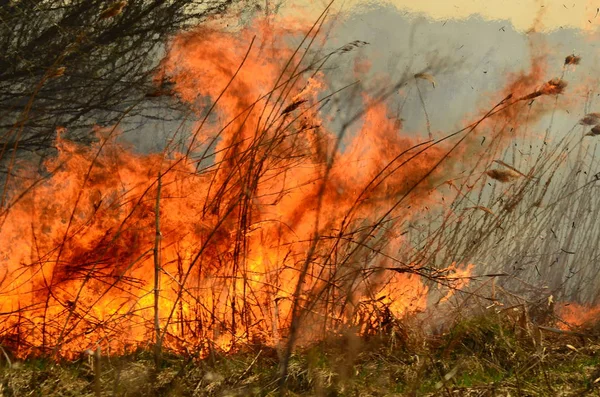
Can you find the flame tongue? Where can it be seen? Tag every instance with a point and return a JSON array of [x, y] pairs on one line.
[[237, 227]]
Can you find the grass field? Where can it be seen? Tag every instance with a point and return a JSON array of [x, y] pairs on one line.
[[493, 354], [307, 248]]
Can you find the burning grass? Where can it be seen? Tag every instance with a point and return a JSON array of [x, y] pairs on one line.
[[493, 353], [228, 241], [273, 233]]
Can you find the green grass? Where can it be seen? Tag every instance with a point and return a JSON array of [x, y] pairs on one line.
[[487, 355]]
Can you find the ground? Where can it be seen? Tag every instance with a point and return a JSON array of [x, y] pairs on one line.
[[485, 355]]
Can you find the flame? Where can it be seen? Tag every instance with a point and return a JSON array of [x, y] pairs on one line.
[[577, 315], [238, 212]]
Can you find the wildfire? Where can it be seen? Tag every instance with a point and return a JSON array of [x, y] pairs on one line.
[[576, 315], [256, 206]]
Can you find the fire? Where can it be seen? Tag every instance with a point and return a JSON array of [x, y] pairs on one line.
[[576, 315], [264, 197]]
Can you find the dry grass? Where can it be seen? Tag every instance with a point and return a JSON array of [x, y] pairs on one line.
[[491, 354], [493, 351]]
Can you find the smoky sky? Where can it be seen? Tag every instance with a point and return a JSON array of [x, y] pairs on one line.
[[472, 58], [475, 57]]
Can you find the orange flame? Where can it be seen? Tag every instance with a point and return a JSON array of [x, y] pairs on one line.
[[238, 213], [576, 315]]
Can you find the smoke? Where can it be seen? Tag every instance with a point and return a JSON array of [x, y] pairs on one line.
[[267, 207]]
